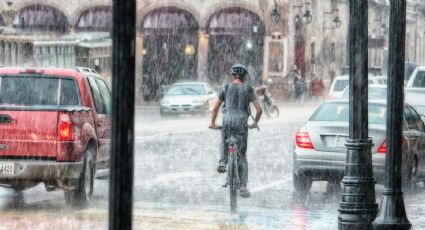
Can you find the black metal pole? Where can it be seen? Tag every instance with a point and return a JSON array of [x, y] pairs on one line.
[[358, 207], [123, 93], [392, 214]]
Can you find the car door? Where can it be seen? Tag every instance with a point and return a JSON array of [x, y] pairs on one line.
[[419, 133], [103, 106]]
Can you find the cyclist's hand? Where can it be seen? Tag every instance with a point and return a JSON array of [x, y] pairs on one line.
[[253, 125], [213, 126]]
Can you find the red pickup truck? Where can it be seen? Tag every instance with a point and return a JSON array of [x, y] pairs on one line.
[[55, 129]]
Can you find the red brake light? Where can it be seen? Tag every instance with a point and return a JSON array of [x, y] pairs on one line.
[[383, 147], [64, 128], [302, 139]]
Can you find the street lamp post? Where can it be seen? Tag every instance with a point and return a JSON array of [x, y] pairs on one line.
[[123, 98], [392, 214], [358, 207]]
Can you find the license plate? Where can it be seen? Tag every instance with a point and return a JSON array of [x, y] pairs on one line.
[[7, 168], [340, 141]]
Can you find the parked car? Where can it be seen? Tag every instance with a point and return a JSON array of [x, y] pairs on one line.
[[188, 98], [319, 152], [55, 129], [340, 82], [375, 92], [414, 91]]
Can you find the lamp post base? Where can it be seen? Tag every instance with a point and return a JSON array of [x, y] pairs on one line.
[[392, 214]]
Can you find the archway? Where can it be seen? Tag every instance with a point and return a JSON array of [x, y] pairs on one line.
[[236, 36], [40, 18], [98, 18], [170, 48]]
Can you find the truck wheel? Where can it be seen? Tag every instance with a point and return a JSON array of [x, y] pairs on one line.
[[81, 196]]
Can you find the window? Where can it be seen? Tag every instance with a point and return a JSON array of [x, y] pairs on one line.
[[98, 104], [340, 85], [340, 112], [419, 80], [410, 119], [415, 119], [69, 92], [105, 94], [32, 90]]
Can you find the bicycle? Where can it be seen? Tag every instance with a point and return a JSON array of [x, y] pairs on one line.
[[233, 179]]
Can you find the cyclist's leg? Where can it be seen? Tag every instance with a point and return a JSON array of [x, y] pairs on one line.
[[221, 168]]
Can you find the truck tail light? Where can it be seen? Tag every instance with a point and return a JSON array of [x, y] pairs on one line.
[[302, 139], [64, 127]]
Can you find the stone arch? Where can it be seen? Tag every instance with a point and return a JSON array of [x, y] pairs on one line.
[[53, 3], [170, 44], [85, 6], [231, 4], [91, 18], [145, 10], [41, 17], [236, 36]]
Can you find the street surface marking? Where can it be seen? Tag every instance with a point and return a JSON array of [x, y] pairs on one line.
[[167, 177], [271, 185]]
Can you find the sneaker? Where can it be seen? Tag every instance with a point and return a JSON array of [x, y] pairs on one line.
[[221, 167], [244, 193]]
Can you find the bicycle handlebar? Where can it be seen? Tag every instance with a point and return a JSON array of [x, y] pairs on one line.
[[220, 127]]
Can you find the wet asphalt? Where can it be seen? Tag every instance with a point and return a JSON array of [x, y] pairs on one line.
[[177, 187]]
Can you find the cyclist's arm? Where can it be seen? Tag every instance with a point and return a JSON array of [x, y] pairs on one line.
[[258, 109], [215, 113]]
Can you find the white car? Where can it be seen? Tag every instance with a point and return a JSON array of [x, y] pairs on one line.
[[188, 98], [341, 82]]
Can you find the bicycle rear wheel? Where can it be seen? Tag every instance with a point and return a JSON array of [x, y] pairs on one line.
[[233, 183]]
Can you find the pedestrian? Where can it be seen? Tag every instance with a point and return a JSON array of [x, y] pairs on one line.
[[236, 97]]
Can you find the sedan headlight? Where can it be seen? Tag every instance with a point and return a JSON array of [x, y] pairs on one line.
[[198, 101]]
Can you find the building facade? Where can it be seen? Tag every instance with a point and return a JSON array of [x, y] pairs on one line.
[[199, 40]]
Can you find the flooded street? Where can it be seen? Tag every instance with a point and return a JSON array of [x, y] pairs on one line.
[[177, 186]]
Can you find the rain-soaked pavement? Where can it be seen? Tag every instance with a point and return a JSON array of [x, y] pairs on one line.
[[177, 187]]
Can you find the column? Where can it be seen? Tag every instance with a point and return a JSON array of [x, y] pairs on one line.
[[203, 56], [139, 68]]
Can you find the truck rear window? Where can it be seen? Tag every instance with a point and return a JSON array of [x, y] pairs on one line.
[[35, 90]]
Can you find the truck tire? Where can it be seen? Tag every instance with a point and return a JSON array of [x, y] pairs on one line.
[[82, 194]]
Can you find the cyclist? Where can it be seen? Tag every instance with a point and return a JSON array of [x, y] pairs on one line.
[[236, 97]]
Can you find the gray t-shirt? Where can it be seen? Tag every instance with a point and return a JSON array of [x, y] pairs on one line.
[[236, 98]]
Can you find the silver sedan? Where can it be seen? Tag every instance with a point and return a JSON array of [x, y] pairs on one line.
[[188, 98], [319, 152]]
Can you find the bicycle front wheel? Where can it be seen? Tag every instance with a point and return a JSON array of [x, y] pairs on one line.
[[274, 111], [233, 183]]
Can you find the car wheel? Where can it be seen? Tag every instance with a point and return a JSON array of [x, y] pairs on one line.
[[82, 194], [302, 184]]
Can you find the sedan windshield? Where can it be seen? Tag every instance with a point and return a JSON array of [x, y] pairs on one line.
[[340, 112], [187, 89]]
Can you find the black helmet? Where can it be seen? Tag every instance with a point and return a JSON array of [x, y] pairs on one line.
[[239, 69]]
